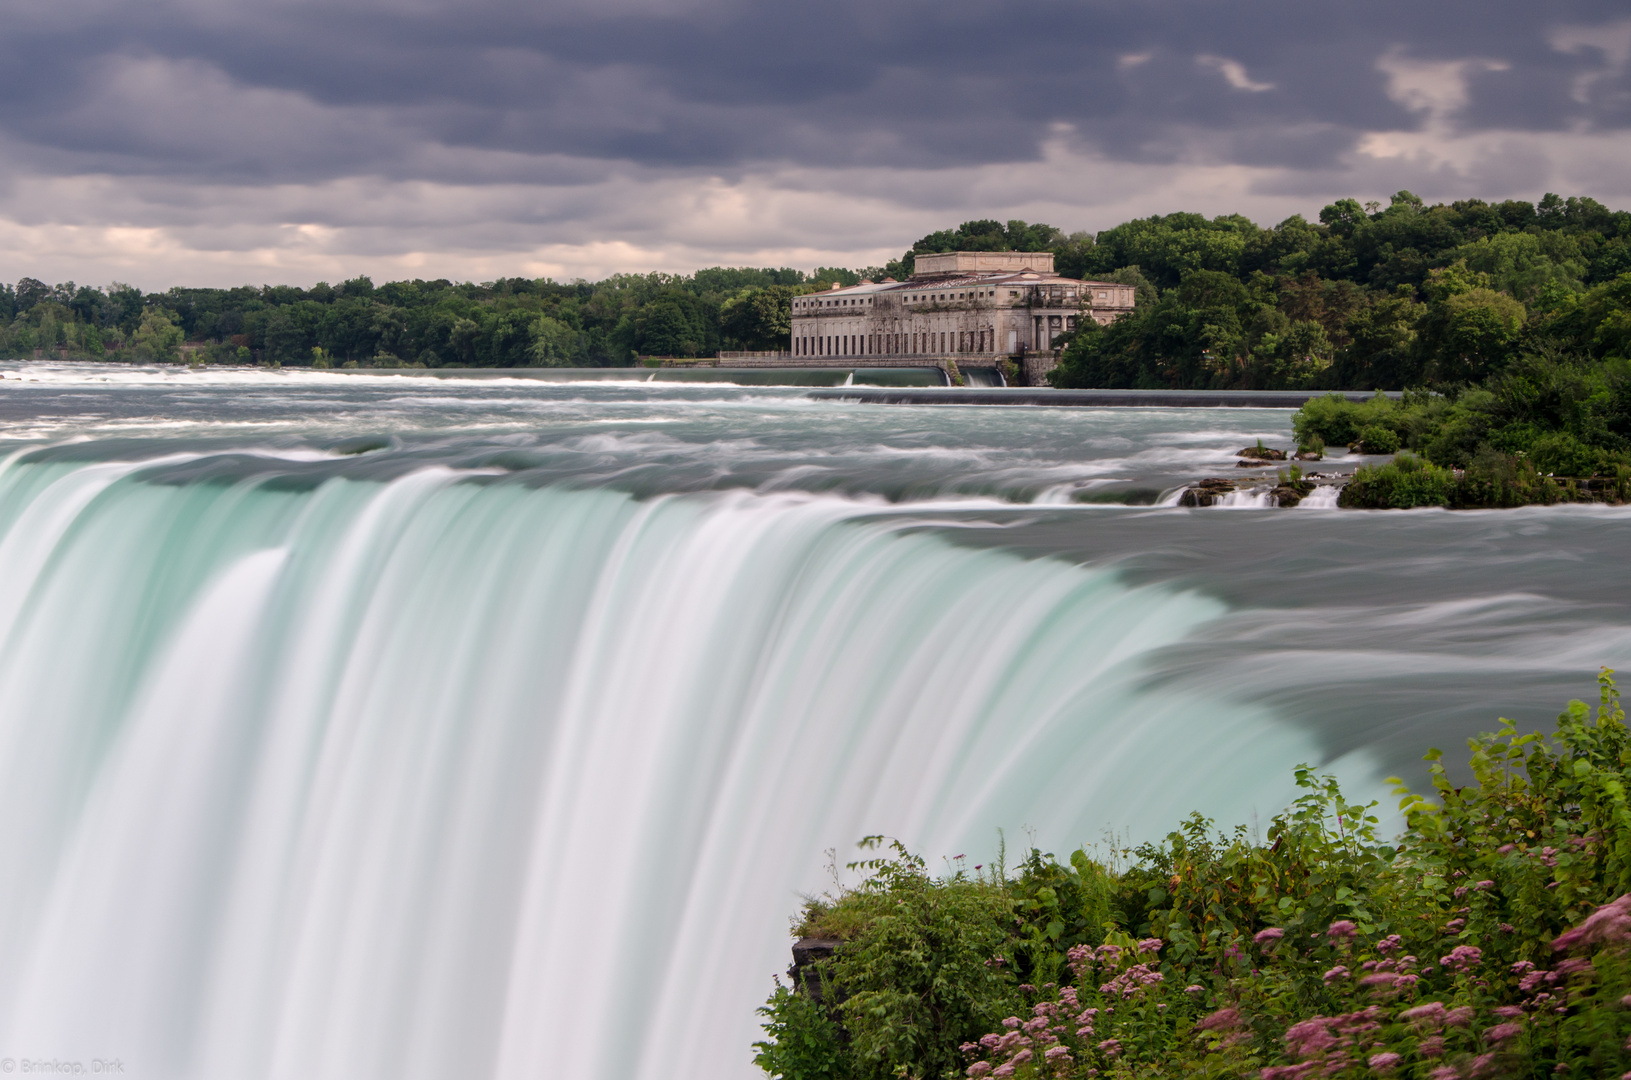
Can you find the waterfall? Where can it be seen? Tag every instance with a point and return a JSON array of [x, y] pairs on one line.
[[307, 776]]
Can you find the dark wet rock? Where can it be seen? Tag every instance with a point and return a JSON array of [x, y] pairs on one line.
[[1261, 453], [1207, 492], [1309, 455], [1290, 492], [808, 952]]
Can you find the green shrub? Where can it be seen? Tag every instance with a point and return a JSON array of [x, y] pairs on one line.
[[1376, 439], [1336, 421], [1561, 454], [1404, 482], [1491, 938]]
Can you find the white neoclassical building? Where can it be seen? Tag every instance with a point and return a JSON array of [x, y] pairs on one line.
[[967, 306]]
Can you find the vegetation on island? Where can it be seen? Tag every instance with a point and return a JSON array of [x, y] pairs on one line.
[[1490, 939], [1547, 428]]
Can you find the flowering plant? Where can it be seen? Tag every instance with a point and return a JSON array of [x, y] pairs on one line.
[[1489, 939]]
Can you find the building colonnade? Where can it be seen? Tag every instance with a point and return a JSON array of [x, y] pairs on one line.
[[923, 343]]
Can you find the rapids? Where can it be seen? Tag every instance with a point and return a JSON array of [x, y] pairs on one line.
[[361, 727]]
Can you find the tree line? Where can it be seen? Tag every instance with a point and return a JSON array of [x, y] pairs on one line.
[[1367, 296], [1409, 295], [512, 322]]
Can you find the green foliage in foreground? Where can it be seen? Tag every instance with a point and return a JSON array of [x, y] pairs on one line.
[[1491, 939]]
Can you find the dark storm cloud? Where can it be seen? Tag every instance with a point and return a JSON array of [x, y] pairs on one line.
[[305, 92]]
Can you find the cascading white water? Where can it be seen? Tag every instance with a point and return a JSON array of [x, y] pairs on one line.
[[452, 776]]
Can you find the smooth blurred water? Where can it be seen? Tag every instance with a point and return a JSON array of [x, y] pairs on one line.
[[397, 727]]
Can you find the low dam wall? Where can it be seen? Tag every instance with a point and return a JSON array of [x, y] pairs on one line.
[[1180, 399]]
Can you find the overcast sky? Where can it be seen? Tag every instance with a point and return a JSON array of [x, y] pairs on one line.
[[223, 142]]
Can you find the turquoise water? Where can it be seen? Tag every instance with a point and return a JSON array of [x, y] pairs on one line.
[[393, 728]]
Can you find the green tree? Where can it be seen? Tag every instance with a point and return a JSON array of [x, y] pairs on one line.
[[552, 343], [156, 339]]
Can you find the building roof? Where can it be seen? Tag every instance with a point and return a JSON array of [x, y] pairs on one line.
[[965, 280]]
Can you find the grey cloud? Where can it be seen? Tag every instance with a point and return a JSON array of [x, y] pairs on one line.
[[364, 87], [492, 130]]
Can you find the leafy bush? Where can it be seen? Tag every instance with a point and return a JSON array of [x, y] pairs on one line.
[[1404, 482], [1561, 454], [1336, 421], [1376, 439], [1490, 939]]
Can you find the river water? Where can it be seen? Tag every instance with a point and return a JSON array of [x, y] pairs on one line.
[[398, 727]]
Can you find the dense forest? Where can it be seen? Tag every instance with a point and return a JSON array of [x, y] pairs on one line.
[[1407, 295]]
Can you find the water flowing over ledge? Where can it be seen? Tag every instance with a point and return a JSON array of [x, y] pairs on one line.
[[440, 774]]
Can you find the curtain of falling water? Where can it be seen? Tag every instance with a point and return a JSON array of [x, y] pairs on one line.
[[444, 776]]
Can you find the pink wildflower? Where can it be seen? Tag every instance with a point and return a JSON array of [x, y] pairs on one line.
[[1338, 972], [1485, 885], [1507, 1012], [1444, 1072], [1503, 1032], [1004, 1070], [1432, 1046], [1462, 958], [1383, 1062], [1428, 1015], [1454, 926], [1310, 1037], [1390, 944], [1149, 945], [1022, 1057], [1110, 1047], [1609, 924], [1459, 1016], [979, 1068], [1194, 988], [1222, 1020], [1342, 928], [1268, 937], [1054, 1053], [1011, 1022]]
